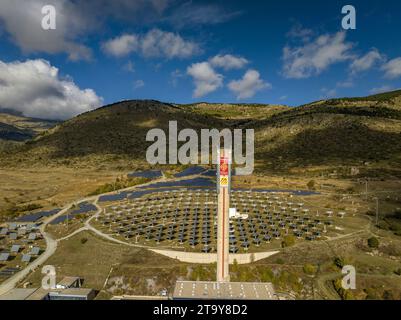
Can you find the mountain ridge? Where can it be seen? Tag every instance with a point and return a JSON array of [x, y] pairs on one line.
[[287, 138]]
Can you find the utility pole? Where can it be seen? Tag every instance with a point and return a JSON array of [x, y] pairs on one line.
[[366, 190], [377, 210]]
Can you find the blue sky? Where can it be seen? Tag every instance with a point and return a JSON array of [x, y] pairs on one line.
[[278, 52]]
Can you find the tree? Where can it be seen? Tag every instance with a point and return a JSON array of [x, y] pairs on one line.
[[373, 242], [339, 262], [311, 185], [310, 269], [288, 241]]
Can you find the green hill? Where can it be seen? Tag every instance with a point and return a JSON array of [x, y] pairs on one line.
[[333, 135]]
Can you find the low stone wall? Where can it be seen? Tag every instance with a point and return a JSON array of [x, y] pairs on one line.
[[208, 258]]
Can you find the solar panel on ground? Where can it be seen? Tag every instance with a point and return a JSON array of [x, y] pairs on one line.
[[32, 236], [12, 226], [26, 258], [38, 215], [13, 236], [4, 256], [15, 248], [84, 207], [190, 172]]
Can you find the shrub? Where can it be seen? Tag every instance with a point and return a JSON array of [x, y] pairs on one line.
[[266, 275], [310, 269], [344, 294], [288, 241], [339, 262], [373, 242], [311, 185]]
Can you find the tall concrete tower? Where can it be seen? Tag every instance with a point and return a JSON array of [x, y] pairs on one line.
[[223, 219]]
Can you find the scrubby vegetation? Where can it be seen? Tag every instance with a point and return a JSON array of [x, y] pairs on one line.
[[13, 210], [392, 222], [119, 183], [344, 294], [373, 242]]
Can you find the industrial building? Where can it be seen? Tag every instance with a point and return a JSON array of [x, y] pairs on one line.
[[199, 290], [67, 289]]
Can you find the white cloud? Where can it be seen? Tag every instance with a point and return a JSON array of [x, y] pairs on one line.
[[228, 62], [205, 77], [139, 84], [248, 85], [345, 84], [314, 57], [392, 69], [175, 76], [328, 93], [191, 14], [299, 32], [121, 46], [129, 67], [35, 88], [382, 89], [367, 61], [155, 43], [22, 19]]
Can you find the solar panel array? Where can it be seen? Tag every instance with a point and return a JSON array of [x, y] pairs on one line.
[[19, 243], [188, 217], [38, 215], [83, 208]]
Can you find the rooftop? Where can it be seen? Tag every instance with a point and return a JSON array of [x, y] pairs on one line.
[[224, 290]]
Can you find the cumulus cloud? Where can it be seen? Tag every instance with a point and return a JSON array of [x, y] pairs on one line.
[[392, 69], [155, 43], [36, 89], [248, 85], [75, 21], [367, 61], [139, 84], [328, 93], [228, 62], [345, 84], [299, 32], [24, 26], [193, 14], [314, 57], [121, 46], [206, 79], [382, 89]]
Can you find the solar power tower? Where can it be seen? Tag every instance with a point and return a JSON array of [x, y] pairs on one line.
[[223, 219]]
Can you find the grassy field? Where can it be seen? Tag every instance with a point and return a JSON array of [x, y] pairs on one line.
[[49, 187]]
